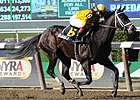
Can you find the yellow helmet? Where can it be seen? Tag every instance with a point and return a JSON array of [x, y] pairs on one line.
[[100, 7]]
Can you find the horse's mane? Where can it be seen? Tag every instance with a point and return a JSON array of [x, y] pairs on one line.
[[107, 14]]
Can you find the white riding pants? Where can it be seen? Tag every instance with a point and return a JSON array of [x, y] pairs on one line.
[[74, 21]]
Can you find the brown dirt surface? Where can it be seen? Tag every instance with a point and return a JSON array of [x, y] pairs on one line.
[[71, 94]]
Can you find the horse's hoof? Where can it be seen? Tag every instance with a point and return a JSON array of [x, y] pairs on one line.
[[62, 90], [80, 93], [114, 94]]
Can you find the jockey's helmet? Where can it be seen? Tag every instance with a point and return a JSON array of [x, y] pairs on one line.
[[100, 7]]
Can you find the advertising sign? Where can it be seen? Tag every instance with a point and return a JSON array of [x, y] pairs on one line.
[[101, 76], [18, 72], [76, 70], [67, 8], [44, 9], [18, 69], [132, 7], [133, 66], [55, 9]]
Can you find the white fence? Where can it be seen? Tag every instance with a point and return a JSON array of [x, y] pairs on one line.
[[38, 26], [28, 30], [128, 44]]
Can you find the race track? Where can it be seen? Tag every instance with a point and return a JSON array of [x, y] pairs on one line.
[[71, 94]]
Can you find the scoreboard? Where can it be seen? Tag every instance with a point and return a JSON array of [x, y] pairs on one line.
[[56, 9], [132, 7], [5, 10], [15, 10]]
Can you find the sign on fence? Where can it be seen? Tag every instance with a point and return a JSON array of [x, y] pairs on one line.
[[18, 72], [101, 76], [76, 70]]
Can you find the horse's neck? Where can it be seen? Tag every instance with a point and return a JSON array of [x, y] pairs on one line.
[[105, 35], [108, 33]]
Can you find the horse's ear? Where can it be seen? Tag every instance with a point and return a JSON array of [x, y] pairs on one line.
[[123, 9], [97, 9], [119, 10]]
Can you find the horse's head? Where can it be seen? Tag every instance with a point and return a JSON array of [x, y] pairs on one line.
[[123, 22]]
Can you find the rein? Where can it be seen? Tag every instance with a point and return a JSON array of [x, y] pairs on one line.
[[107, 26]]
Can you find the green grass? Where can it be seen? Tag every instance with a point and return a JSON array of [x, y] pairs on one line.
[[44, 58], [13, 35], [138, 87], [139, 56]]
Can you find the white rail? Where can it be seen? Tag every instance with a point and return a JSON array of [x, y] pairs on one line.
[[29, 30], [126, 44], [32, 30]]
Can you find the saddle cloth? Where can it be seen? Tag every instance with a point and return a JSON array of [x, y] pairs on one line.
[[69, 33]]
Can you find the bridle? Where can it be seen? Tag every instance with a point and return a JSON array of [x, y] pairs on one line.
[[124, 26]]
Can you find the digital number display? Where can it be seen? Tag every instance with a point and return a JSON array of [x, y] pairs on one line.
[[21, 10], [5, 10], [15, 10]]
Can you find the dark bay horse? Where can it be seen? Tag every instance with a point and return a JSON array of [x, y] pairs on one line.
[[96, 51]]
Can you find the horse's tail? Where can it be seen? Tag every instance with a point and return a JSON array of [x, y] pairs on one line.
[[26, 48]]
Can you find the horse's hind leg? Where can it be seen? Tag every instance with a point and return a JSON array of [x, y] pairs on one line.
[[65, 72], [50, 71], [87, 69], [66, 63], [52, 62]]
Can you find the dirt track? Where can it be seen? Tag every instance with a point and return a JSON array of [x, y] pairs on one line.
[[71, 94]]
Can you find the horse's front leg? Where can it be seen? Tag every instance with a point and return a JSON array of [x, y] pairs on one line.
[[87, 69], [76, 85], [107, 63]]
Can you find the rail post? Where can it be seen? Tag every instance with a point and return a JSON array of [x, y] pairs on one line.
[[40, 70], [17, 36], [127, 72]]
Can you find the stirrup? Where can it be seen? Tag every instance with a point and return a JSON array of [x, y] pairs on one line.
[[76, 49], [77, 41], [77, 56]]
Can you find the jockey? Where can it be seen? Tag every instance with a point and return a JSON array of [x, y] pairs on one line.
[[86, 18]]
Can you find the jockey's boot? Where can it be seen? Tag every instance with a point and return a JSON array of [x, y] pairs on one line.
[[80, 34], [78, 38], [76, 47], [78, 41]]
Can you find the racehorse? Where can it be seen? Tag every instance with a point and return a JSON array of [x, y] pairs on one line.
[[96, 51]]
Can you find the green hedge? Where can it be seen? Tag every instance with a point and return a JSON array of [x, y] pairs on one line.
[[121, 36]]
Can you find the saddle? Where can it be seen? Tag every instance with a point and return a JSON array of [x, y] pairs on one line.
[[69, 33]]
